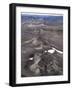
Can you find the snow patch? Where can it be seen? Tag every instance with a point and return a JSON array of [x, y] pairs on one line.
[[31, 58]]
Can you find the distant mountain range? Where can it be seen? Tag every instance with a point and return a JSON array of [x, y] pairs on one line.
[[44, 19]]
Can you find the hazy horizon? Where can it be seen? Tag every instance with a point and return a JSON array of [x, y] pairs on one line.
[[45, 19]]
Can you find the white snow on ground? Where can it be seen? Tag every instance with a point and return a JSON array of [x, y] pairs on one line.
[[58, 51], [51, 51], [31, 58], [45, 51]]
